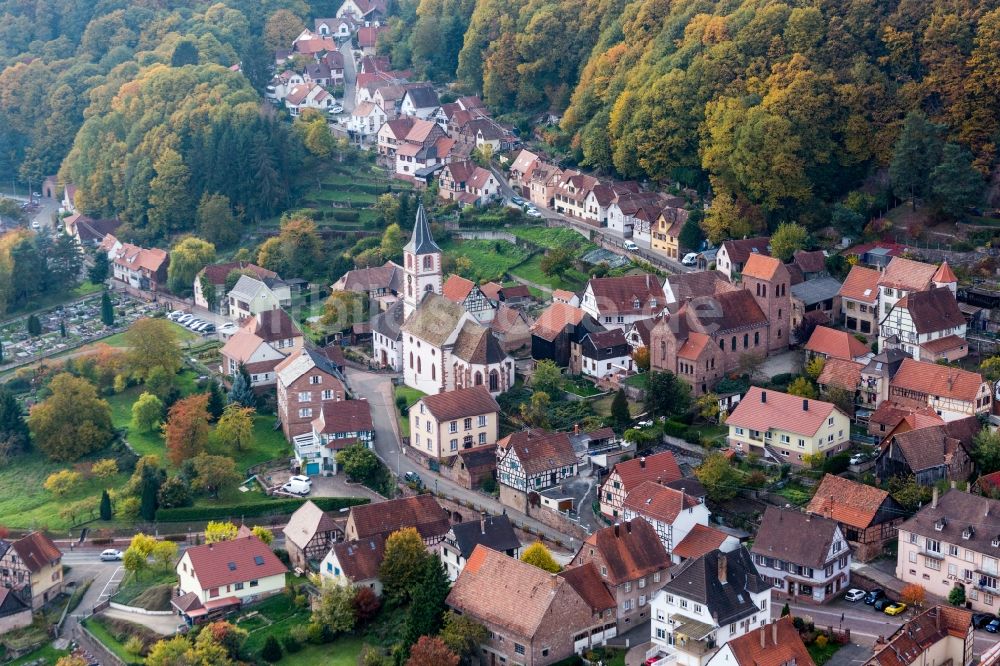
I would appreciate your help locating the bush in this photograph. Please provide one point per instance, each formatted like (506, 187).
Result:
(283, 556)
(692, 437)
(318, 634)
(346, 215)
(272, 650)
(674, 429)
(271, 507)
(134, 645)
(837, 464)
(783, 379)
(821, 641)
(299, 633)
(291, 644)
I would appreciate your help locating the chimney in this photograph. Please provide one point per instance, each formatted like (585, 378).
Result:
(642, 462)
(722, 568)
(763, 396)
(934, 498)
(774, 632)
(763, 638)
(482, 523)
(659, 480)
(617, 529)
(576, 428)
(210, 545)
(805, 405)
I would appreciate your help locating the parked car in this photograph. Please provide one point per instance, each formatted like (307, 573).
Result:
(895, 608)
(645, 424)
(690, 259)
(993, 627)
(184, 318)
(980, 620)
(874, 595)
(859, 458)
(882, 604)
(532, 212)
(302, 478)
(34, 224)
(335, 109)
(297, 488)
(111, 555)
(518, 200)
(630, 246)
(174, 315)
(854, 594)
(414, 478)
(195, 323)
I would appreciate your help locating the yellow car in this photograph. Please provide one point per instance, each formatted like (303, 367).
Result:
(894, 609)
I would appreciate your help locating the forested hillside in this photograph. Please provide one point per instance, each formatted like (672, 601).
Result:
(784, 107)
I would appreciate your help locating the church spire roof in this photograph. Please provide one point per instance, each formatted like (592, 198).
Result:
(944, 274)
(421, 242)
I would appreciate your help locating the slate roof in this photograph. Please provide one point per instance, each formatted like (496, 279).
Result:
(911, 641)
(421, 242)
(605, 344)
(617, 295)
(423, 97)
(360, 559)
(540, 451)
(907, 274)
(587, 582)
(494, 532)
(390, 322)
(237, 561)
(420, 511)
(959, 511)
(698, 580)
(296, 365)
(307, 521)
(460, 403)
(699, 541)
(631, 550)
(477, 345)
(816, 290)
(740, 250)
(658, 502)
(933, 310)
(836, 344)
(37, 551)
(861, 285)
(939, 380)
(778, 644)
(11, 604)
(794, 536)
(661, 467)
(246, 288)
(435, 320)
(767, 409)
(847, 502)
(341, 416)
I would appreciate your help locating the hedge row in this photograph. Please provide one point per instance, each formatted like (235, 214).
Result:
(272, 507)
(346, 215)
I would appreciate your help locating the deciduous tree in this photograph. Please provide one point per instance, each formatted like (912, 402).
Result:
(147, 412)
(63, 482)
(802, 387)
(719, 477)
(913, 595)
(666, 395)
(431, 651)
(72, 421)
(403, 564)
(153, 342)
(187, 257)
(539, 556)
(785, 241)
(463, 635)
(334, 607)
(186, 430)
(214, 473)
(170, 204)
(216, 531)
(235, 428)
(547, 378)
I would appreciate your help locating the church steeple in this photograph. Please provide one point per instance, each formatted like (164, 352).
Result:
(422, 258)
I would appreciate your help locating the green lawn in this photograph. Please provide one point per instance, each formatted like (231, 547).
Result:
(553, 237)
(579, 386)
(821, 655)
(531, 270)
(637, 381)
(97, 628)
(132, 586)
(183, 335)
(47, 652)
(711, 431)
(344, 651)
(490, 259)
(411, 395)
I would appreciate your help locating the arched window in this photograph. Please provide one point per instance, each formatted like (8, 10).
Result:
(411, 360)
(746, 340)
(756, 338)
(763, 290)
(758, 288)
(478, 381)
(428, 261)
(494, 381)
(409, 290)
(428, 288)
(733, 343)
(409, 261)
(433, 372)
(663, 350)
(419, 370)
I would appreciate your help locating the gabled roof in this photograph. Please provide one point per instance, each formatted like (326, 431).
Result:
(932, 446)
(387, 276)
(839, 373)
(296, 365)
(776, 645)
(506, 318)
(11, 603)
(524, 161)
(236, 561)
(586, 581)
(435, 319)
(768, 409)
(247, 288)
(740, 250)
(241, 346)
(421, 242)
(555, 318)
(271, 325)
(423, 97)
(907, 274)
(643, 327)
(631, 550)
(726, 601)
(456, 288)
(628, 295)
(933, 310)
(217, 273)
(344, 416)
(307, 521)
(700, 540)
(848, 502)
(390, 322)
(360, 559)
(911, 642)
(658, 502)
(460, 403)
(938, 380)
(726, 311)
(762, 267)
(810, 261)
(538, 450)
(477, 345)
(612, 340)
(461, 171)
(816, 290)
(37, 551)
(794, 536)
(699, 283)
(954, 513)
(494, 532)
(420, 511)
(659, 467)
(836, 344)
(861, 285)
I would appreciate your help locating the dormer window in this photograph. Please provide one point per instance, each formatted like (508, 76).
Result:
(636, 304)
(968, 532)
(940, 524)
(996, 541)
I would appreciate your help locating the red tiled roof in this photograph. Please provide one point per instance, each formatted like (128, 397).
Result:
(914, 639)
(460, 403)
(658, 502)
(217, 273)
(662, 466)
(618, 295)
(344, 416)
(700, 540)
(420, 511)
(555, 318)
(780, 411)
(236, 561)
(775, 645)
(632, 550)
(539, 450)
(836, 344)
(761, 267)
(938, 380)
(810, 262)
(360, 560)
(741, 250)
(587, 582)
(841, 373)
(861, 285)
(944, 274)
(846, 501)
(37, 551)
(456, 288)
(907, 274)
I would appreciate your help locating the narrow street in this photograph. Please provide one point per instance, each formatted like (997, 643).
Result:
(377, 390)
(350, 76)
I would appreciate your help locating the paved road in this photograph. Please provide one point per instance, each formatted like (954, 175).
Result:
(350, 76)
(85, 565)
(45, 214)
(377, 389)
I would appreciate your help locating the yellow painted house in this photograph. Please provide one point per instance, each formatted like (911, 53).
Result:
(786, 427)
(667, 231)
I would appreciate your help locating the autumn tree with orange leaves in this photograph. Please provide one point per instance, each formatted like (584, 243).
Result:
(431, 651)
(186, 430)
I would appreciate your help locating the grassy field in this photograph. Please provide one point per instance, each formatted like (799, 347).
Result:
(490, 259)
(552, 237)
(47, 652)
(531, 270)
(344, 651)
(97, 628)
(411, 395)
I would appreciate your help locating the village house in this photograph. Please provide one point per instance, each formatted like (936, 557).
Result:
(859, 300)
(32, 567)
(557, 333)
(566, 297)
(666, 234)
(868, 516)
(768, 281)
(493, 532)
(471, 468)
(306, 380)
(597, 204)
(338, 426)
(605, 354)
(363, 11)
(309, 95)
(629, 475)
(671, 512)
(710, 601)
(453, 181)
(816, 300)
(309, 534)
(339, 28)
(138, 267)
(530, 461)
(951, 392)
(387, 337)
(787, 428)
(519, 174)
(261, 343)
(707, 337)
(733, 254)
(210, 283)
(420, 101)
(639, 334)
(482, 186)
(367, 38)
(804, 556)
(365, 121)
(468, 294)
(441, 425)
(941, 452)
(939, 635)
(829, 343)
(512, 328)
(840, 374)
(216, 578)
(532, 617)
(392, 135)
(624, 212)
(927, 325)
(250, 296)
(875, 379)
(310, 44)
(571, 193)
(15, 613)
(542, 188)
(777, 643)
(954, 541)
(617, 302)
(355, 563)
(905, 276)
(633, 564)
(701, 540)
(382, 519)
(87, 231)
(381, 283)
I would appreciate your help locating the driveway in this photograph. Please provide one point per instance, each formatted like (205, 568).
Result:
(337, 486)
(85, 565)
(165, 625)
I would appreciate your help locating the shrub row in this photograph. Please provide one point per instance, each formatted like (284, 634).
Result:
(272, 507)
(346, 215)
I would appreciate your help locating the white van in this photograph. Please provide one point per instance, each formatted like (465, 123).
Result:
(630, 246)
(296, 487)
